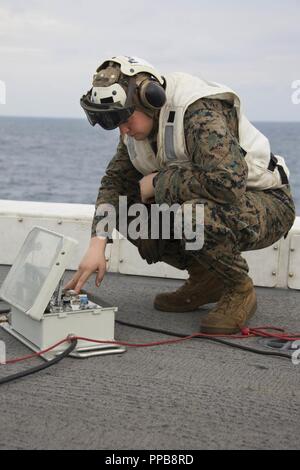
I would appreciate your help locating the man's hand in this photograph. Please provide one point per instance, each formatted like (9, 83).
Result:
(93, 260)
(147, 188)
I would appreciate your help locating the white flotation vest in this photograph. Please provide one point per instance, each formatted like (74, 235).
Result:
(265, 170)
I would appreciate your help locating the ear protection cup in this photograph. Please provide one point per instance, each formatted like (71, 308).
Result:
(151, 94)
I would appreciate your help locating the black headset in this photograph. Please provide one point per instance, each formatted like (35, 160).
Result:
(146, 88)
(150, 92)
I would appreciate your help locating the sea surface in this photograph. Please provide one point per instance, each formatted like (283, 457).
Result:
(63, 160)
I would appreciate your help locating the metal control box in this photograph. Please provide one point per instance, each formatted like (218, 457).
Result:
(40, 316)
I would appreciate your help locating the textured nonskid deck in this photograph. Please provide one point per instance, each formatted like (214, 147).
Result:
(192, 395)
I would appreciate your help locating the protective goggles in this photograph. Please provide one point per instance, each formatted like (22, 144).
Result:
(107, 115)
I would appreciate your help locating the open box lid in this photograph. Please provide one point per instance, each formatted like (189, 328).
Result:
(37, 271)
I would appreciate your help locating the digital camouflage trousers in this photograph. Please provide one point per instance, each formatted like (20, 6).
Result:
(258, 220)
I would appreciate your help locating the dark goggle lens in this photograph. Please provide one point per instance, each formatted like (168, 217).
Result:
(91, 117)
(104, 115)
(112, 119)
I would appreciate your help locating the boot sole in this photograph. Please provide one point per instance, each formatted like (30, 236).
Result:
(163, 308)
(227, 331)
(175, 310)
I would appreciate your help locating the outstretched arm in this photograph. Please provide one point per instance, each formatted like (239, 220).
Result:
(121, 178)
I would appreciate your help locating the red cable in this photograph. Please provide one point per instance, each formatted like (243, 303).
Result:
(259, 331)
(119, 343)
(246, 333)
(39, 353)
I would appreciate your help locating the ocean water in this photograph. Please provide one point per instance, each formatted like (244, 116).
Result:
(63, 160)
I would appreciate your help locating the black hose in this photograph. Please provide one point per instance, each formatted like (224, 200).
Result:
(3, 309)
(57, 359)
(210, 338)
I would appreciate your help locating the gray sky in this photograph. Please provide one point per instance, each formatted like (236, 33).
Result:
(49, 49)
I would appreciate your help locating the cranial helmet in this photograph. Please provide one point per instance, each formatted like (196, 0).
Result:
(122, 85)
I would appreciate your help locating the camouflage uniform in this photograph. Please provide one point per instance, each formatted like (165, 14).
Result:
(236, 219)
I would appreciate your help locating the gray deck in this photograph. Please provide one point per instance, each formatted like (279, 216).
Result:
(193, 395)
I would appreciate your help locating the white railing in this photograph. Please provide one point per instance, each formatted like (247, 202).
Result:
(275, 266)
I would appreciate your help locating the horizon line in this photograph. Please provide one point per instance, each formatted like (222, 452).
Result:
(84, 119)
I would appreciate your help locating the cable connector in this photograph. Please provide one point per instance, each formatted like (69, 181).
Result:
(71, 338)
(245, 331)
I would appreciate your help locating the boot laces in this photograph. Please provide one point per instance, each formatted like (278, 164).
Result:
(225, 301)
(186, 284)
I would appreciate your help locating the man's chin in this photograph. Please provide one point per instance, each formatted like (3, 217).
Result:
(139, 137)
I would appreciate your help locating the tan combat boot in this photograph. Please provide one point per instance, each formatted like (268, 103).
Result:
(234, 309)
(202, 287)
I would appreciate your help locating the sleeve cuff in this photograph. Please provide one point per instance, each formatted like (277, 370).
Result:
(154, 181)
